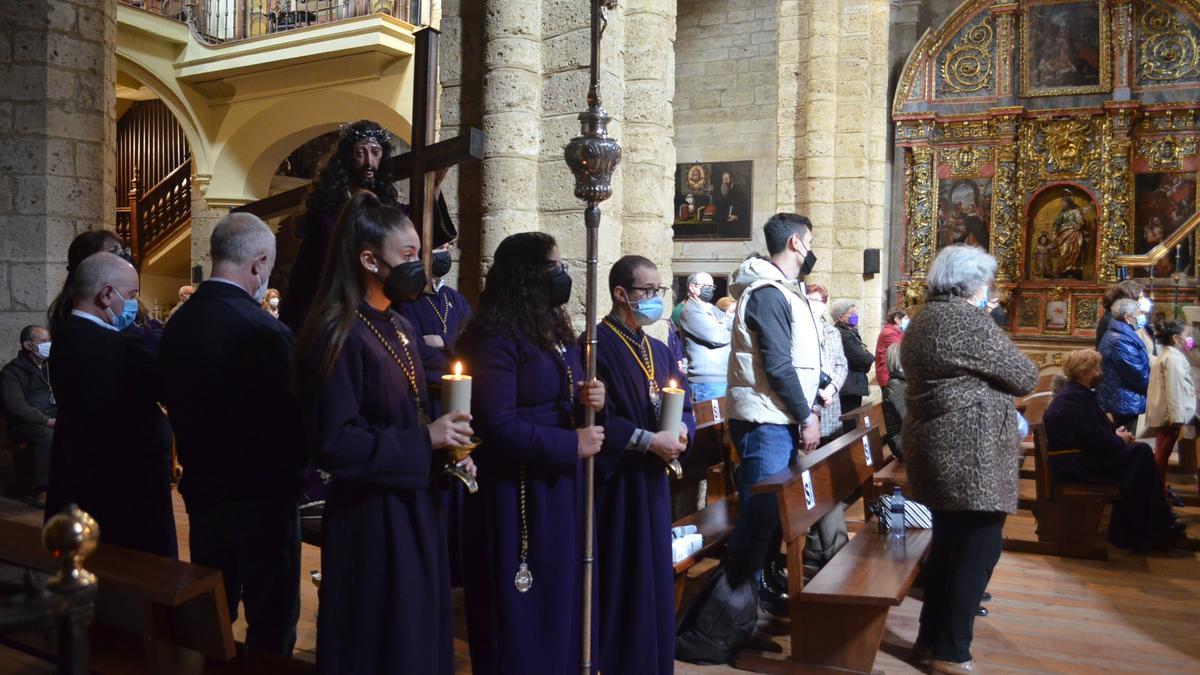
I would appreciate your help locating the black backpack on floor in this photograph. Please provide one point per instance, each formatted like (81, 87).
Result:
(719, 622)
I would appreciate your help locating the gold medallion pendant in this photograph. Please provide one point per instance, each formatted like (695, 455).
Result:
(655, 393)
(524, 579)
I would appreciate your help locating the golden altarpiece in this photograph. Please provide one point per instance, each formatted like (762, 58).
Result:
(1062, 136)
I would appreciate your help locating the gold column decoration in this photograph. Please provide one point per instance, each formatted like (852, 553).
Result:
(918, 202)
(1122, 28)
(1116, 234)
(1007, 244)
(1004, 14)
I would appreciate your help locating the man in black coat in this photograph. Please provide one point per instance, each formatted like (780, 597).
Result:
(226, 365)
(112, 443)
(28, 403)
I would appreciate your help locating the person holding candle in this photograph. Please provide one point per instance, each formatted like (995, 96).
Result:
(385, 592)
(644, 431)
(523, 530)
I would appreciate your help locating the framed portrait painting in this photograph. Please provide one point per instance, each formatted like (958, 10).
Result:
(714, 200)
(1164, 202)
(1065, 48)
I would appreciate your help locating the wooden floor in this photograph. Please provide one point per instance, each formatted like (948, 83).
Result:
(1132, 614)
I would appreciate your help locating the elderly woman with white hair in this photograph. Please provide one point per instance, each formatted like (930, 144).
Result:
(961, 444)
(858, 360)
(1125, 362)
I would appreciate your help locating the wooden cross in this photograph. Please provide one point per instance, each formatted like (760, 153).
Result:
(427, 155)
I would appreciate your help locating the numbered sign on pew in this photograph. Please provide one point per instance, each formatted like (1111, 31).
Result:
(810, 499)
(716, 406)
(867, 445)
(867, 421)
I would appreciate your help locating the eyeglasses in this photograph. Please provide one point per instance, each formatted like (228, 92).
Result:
(650, 291)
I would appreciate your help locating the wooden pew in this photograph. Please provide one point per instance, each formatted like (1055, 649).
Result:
(837, 619)
(175, 610)
(1068, 514)
(715, 521)
(889, 469)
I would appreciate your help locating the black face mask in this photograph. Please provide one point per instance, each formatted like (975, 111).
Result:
(441, 263)
(707, 293)
(405, 282)
(560, 287)
(810, 261)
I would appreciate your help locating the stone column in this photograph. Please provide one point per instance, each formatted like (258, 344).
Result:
(57, 146)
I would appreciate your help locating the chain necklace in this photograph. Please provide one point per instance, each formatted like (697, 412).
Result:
(645, 360)
(442, 315)
(524, 579)
(407, 365)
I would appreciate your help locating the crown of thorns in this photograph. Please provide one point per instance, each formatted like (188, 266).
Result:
(357, 134)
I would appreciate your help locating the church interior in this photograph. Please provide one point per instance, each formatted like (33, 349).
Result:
(1062, 137)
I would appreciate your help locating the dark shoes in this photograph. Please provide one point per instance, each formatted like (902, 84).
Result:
(1175, 499)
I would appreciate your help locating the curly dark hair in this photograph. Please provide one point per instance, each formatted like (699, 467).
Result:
(516, 296)
(331, 187)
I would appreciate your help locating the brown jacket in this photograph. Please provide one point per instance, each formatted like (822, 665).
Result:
(960, 436)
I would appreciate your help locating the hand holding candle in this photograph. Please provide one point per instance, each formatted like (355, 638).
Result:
(671, 419)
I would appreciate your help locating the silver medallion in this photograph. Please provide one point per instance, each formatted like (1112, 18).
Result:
(524, 579)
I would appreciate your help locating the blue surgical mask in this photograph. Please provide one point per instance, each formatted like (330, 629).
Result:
(127, 316)
(904, 324)
(1141, 320)
(647, 311)
(981, 304)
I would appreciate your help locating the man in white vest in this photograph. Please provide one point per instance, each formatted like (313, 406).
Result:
(774, 374)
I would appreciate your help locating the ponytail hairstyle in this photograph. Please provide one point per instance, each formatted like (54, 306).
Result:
(82, 246)
(364, 223)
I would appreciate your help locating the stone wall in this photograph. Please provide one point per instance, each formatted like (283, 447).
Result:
(57, 139)
(725, 110)
(518, 70)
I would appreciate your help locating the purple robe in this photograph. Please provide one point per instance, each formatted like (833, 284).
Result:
(636, 577)
(385, 593)
(424, 317)
(523, 415)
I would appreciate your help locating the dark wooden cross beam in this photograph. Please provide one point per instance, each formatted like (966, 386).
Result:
(427, 155)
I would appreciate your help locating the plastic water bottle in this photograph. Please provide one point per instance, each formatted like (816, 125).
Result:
(896, 515)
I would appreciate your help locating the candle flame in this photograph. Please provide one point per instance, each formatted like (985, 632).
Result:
(673, 385)
(457, 368)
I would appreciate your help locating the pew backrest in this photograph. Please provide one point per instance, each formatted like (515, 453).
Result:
(870, 416)
(811, 487)
(709, 413)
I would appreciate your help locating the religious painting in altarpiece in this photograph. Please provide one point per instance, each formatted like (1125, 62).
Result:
(713, 200)
(1063, 136)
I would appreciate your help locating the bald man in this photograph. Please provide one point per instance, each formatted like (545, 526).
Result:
(707, 332)
(226, 365)
(112, 443)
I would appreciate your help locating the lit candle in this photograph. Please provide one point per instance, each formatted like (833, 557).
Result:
(456, 390)
(672, 418)
(672, 408)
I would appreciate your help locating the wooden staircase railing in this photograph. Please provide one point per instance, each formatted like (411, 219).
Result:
(156, 216)
(1170, 246)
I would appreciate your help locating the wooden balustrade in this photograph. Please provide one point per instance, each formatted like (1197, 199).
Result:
(154, 216)
(218, 21)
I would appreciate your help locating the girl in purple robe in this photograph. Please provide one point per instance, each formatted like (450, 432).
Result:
(523, 530)
(385, 593)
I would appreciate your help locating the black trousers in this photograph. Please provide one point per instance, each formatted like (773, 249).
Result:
(966, 546)
(256, 545)
(31, 465)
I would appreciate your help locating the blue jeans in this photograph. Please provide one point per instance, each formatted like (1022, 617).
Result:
(707, 391)
(765, 449)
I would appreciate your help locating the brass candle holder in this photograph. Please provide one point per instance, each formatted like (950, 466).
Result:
(454, 455)
(71, 536)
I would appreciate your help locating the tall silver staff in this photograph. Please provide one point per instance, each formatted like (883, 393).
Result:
(592, 156)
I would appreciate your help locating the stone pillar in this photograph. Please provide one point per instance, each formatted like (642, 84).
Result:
(57, 146)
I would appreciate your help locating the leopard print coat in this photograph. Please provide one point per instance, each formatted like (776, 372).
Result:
(961, 445)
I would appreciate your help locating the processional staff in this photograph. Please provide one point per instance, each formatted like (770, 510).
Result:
(592, 157)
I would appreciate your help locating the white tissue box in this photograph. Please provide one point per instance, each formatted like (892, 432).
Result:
(684, 546)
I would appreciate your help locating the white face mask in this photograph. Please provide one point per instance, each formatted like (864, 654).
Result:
(273, 303)
(262, 289)
(43, 350)
(1144, 304)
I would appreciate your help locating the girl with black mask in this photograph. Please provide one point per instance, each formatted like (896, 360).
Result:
(365, 411)
(523, 530)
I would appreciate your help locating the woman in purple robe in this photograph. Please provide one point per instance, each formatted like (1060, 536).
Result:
(385, 593)
(523, 530)
(633, 500)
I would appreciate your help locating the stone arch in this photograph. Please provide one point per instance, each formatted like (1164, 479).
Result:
(247, 160)
(178, 106)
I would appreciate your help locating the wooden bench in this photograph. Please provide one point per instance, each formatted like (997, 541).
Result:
(715, 521)
(837, 619)
(1068, 514)
(886, 464)
(152, 613)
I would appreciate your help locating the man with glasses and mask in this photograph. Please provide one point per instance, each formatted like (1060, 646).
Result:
(28, 403)
(112, 443)
(226, 368)
(706, 336)
(633, 498)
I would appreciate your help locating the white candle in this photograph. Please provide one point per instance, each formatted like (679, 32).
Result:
(456, 391)
(672, 409)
